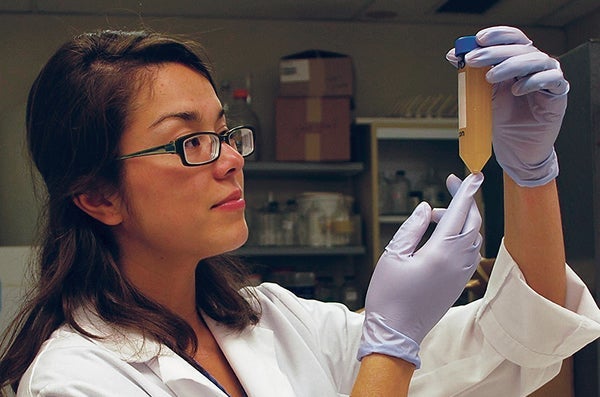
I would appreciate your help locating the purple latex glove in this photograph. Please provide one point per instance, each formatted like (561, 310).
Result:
(528, 102)
(411, 290)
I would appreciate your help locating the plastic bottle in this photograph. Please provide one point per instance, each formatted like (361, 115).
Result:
(474, 109)
(241, 113)
(399, 188)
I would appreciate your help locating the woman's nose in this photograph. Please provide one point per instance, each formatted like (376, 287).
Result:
(230, 158)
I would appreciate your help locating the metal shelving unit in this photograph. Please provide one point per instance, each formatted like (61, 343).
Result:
(300, 251)
(288, 179)
(297, 169)
(416, 141)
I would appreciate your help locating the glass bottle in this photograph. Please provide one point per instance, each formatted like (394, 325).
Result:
(241, 113)
(399, 188)
(349, 294)
(341, 224)
(303, 284)
(384, 194)
(289, 223)
(434, 191)
(414, 199)
(315, 232)
(269, 222)
(225, 95)
(324, 290)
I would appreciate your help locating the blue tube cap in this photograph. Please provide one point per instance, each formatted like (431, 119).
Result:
(464, 44)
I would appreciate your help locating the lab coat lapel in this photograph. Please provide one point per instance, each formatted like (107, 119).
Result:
(252, 356)
(180, 377)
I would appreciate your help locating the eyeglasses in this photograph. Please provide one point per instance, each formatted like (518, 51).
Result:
(199, 148)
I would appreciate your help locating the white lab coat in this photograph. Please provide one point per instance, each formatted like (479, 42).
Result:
(506, 344)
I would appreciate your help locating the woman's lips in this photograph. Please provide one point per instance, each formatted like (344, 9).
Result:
(233, 201)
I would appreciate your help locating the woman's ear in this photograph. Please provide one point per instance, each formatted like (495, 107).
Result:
(104, 208)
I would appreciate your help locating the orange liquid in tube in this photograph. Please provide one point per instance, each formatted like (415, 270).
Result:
(474, 109)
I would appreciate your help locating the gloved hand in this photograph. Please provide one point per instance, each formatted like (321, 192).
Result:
(411, 290)
(528, 102)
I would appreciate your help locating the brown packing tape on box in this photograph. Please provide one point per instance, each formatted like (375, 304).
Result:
(312, 141)
(312, 129)
(313, 110)
(312, 147)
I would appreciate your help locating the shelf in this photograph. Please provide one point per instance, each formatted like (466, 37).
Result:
(392, 143)
(300, 251)
(423, 128)
(280, 168)
(393, 219)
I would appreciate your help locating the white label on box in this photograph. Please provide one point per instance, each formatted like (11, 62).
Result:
(294, 70)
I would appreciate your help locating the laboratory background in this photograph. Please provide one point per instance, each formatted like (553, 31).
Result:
(355, 108)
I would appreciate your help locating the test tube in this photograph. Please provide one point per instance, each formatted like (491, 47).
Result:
(474, 109)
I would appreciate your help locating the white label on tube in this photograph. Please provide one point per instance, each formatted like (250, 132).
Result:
(462, 101)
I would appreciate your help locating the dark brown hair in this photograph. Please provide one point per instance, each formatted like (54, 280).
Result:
(76, 113)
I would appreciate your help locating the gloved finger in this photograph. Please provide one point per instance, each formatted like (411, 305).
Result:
(499, 35)
(452, 58)
(411, 232)
(453, 220)
(437, 214)
(472, 223)
(521, 65)
(506, 40)
(453, 184)
(552, 81)
(489, 56)
(473, 220)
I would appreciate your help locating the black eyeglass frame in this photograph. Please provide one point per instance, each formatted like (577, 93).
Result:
(176, 146)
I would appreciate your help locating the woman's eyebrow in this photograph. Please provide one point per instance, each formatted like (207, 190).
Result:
(185, 116)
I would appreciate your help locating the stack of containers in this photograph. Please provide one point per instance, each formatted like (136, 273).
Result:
(313, 108)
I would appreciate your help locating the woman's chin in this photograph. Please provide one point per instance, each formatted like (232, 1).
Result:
(240, 239)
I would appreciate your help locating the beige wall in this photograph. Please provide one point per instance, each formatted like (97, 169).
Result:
(584, 29)
(391, 62)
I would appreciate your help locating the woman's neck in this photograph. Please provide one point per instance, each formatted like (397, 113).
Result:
(171, 285)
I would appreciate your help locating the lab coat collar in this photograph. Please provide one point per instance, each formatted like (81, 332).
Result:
(180, 377)
(251, 353)
(131, 347)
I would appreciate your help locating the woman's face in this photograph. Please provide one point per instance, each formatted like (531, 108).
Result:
(172, 211)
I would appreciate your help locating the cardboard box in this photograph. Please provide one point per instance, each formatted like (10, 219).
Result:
(316, 73)
(312, 128)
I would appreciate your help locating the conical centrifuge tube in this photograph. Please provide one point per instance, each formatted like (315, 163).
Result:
(474, 109)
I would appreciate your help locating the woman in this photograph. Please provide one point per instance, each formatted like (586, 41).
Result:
(132, 275)
(138, 299)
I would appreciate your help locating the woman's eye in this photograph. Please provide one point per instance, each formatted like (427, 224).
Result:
(193, 143)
